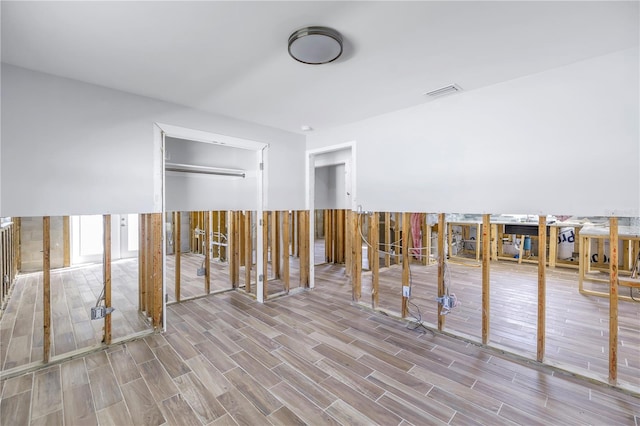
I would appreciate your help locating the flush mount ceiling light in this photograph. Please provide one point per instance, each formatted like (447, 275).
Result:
(315, 45)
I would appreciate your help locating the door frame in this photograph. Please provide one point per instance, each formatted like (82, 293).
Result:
(162, 130)
(314, 158)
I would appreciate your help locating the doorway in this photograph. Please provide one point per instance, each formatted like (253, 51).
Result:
(87, 238)
(330, 186)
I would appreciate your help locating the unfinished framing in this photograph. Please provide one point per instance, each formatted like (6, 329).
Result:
(486, 245)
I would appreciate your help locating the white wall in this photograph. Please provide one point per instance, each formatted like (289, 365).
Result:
(196, 192)
(564, 141)
(74, 148)
(330, 188)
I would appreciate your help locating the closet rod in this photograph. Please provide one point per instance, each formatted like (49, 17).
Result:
(188, 168)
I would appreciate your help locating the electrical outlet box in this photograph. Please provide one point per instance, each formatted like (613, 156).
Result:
(406, 291)
(98, 312)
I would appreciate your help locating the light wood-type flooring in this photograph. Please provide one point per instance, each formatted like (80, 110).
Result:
(577, 326)
(73, 292)
(192, 285)
(309, 358)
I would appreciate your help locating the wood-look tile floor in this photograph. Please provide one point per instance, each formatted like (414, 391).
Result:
(192, 285)
(577, 326)
(310, 358)
(73, 292)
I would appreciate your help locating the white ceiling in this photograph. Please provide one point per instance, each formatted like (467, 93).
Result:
(231, 58)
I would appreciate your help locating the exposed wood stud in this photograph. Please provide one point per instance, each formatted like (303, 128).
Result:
(176, 250)
(426, 236)
(142, 263)
(356, 256)
(398, 233)
(265, 252)
(601, 253)
(369, 223)
(66, 242)
(442, 231)
(304, 248)
(150, 265)
(478, 239)
(275, 244)
(17, 244)
(348, 248)
(207, 252)
(585, 256)
(46, 286)
(295, 239)
(553, 246)
(157, 224)
(494, 242)
(387, 239)
(243, 241)
(340, 237)
(375, 255)
(486, 295)
(613, 299)
(327, 235)
(406, 237)
(237, 219)
(542, 284)
(106, 275)
(232, 225)
(248, 251)
(285, 251)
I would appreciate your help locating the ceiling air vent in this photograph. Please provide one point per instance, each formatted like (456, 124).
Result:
(446, 90)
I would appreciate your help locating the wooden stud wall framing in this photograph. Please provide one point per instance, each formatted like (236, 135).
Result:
(340, 238)
(494, 241)
(106, 275)
(248, 251)
(328, 235)
(486, 241)
(157, 224)
(356, 258)
(613, 299)
(46, 287)
(236, 218)
(334, 235)
(8, 265)
(305, 254)
(142, 263)
(207, 252)
(349, 236)
(17, 244)
(233, 243)
(176, 249)
(542, 284)
(265, 253)
(375, 256)
(441, 258)
(275, 244)
(406, 237)
(242, 239)
(387, 239)
(66, 242)
(285, 250)
(150, 267)
(149, 250)
(553, 245)
(294, 235)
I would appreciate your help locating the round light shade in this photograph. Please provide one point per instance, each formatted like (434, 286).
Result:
(315, 45)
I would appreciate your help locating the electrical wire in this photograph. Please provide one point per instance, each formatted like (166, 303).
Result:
(417, 322)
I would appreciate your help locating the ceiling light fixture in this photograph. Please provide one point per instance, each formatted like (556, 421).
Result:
(315, 45)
